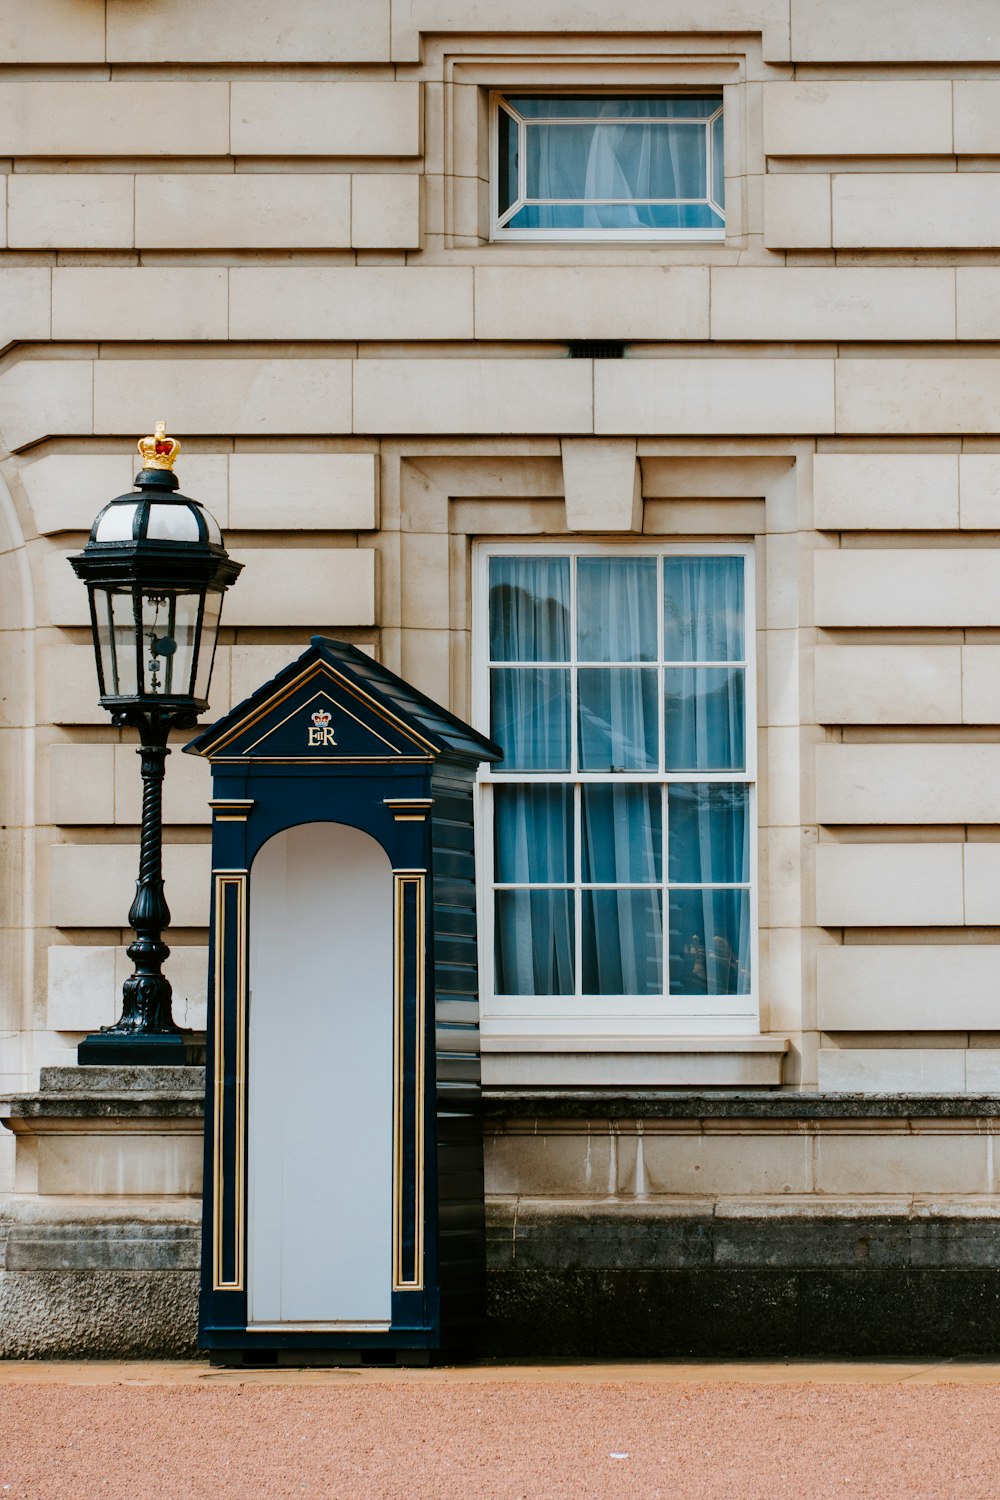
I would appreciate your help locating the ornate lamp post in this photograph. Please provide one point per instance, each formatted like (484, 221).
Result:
(156, 570)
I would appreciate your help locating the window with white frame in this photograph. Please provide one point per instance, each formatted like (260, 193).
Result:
(618, 840)
(594, 166)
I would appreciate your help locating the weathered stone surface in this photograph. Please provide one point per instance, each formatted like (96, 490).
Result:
(126, 1104)
(527, 1104)
(105, 1280)
(92, 1314)
(118, 1080)
(761, 1286)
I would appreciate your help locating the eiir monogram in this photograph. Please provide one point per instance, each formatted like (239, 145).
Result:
(320, 734)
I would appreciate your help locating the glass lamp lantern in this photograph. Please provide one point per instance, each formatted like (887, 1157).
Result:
(156, 570)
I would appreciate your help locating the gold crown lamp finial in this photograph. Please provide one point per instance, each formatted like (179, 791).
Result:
(158, 451)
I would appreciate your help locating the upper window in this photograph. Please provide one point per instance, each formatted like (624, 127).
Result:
(578, 166)
(619, 824)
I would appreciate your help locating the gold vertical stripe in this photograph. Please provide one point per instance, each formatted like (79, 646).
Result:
(397, 1078)
(238, 882)
(401, 881)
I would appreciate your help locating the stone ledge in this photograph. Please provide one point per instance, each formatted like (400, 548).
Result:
(731, 1104)
(572, 1234)
(81, 1234)
(104, 1093)
(631, 1063)
(124, 1105)
(86, 1080)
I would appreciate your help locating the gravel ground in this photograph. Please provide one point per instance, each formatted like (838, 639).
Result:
(551, 1437)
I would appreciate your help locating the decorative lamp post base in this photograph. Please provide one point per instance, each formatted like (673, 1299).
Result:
(123, 1049)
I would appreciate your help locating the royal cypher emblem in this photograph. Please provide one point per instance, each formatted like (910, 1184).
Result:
(320, 733)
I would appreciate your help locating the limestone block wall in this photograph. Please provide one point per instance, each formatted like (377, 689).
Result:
(273, 232)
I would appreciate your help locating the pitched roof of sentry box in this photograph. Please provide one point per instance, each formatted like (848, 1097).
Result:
(334, 703)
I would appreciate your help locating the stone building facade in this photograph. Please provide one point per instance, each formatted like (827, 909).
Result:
(400, 337)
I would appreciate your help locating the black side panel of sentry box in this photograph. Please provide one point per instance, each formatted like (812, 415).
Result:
(461, 1212)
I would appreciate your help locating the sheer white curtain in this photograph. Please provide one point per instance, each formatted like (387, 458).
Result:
(533, 842)
(708, 824)
(703, 622)
(625, 161)
(529, 622)
(623, 842)
(618, 709)
(709, 841)
(621, 832)
(634, 161)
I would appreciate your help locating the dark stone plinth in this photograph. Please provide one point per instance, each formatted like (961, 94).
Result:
(634, 1281)
(113, 1049)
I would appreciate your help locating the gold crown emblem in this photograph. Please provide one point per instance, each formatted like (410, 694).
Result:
(158, 451)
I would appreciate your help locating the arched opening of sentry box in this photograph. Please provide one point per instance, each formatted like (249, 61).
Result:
(320, 1076)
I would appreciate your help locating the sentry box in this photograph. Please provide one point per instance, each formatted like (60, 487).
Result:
(343, 1153)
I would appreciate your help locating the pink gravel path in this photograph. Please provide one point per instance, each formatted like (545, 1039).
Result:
(500, 1441)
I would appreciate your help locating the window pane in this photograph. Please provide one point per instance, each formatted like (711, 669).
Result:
(616, 216)
(718, 164)
(703, 719)
(616, 106)
(621, 833)
(673, 160)
(636, 161)
(209, 636)
(529, 608)
(709, 942)
(556, 161)
(534, 833)
(708, 832)
(530, 718)
(116, 635)
(616, 609)
(618, 719)
(703, 608)
(168, 630)
(506, 160)
(534, 943)
(622, 942)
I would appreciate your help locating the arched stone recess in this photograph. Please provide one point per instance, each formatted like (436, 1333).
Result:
(439, 497)
(19, 917)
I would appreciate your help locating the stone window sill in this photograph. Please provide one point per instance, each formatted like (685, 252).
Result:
(559, 1062)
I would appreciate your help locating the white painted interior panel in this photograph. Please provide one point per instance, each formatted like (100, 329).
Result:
(320, 1079)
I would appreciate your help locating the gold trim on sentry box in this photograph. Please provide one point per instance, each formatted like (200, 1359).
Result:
(231, 809)
(401, 879)
(306, 675)
(338, 707)
(237, 879)
(409, 809)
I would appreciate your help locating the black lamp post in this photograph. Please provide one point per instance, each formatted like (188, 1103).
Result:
(156, 570)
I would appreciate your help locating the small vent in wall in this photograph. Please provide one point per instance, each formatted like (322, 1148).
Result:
(596, 349)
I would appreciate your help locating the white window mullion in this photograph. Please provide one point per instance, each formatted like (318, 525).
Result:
(665, 883)
(577, 887)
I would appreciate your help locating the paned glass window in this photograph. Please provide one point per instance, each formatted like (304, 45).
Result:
(621, 820)
(593, 165)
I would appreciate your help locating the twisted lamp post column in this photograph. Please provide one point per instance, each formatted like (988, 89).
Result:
(146, 994)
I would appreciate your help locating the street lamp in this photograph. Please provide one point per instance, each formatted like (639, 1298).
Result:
(156, 570)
